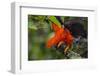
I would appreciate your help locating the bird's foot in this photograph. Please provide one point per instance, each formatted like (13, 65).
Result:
(66, 49)
(59, 44)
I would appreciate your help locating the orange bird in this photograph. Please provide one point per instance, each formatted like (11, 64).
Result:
(62, 35)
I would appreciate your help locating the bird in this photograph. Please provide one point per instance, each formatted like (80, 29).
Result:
(61, 35)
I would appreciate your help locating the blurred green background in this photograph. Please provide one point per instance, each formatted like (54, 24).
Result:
(39, 31)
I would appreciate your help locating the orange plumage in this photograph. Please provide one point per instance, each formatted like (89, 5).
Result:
(61, 34)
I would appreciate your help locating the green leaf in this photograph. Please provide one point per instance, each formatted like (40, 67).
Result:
(54, 20)
(31, 25)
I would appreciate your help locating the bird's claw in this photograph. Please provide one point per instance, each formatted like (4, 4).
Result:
(66, 49)
(59, 44)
